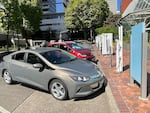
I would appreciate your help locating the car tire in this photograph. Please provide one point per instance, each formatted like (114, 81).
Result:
(58, 90)
(7, 77)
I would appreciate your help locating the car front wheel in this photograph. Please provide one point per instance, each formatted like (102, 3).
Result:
(7, 77)
(58, 89)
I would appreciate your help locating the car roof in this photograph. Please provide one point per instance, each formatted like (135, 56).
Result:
(39, 49)
(62, 42)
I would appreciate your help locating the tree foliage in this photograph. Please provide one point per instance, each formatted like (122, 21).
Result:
(112, 19)
(82, 14)
(31, 12)
(10, 15)
(107, 29)
(21, 15)
(110, 25)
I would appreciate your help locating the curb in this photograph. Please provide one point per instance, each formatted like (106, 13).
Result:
(110, 98)
(112, 103)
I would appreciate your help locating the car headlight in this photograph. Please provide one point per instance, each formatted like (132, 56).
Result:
(80, 78)
(98, 70)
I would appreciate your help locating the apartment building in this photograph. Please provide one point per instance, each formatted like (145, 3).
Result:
(48, 6)
(52, 20)
(112, 6)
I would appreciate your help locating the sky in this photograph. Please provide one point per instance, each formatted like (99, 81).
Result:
(59, 6)
(118, 4)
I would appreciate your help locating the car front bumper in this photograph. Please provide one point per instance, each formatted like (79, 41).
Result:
(86, 89)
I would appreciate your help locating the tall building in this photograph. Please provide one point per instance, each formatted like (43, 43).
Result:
(48, 6)
(52, 20)
(65, 2)
(112, 6)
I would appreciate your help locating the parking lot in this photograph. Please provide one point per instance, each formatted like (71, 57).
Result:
(21, 98)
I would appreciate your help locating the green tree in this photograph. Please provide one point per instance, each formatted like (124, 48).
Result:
(10, 17)
(21, 16)
(86, 14)
(31, 12)
(110, 25)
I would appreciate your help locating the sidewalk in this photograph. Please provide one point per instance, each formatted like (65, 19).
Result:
(125, 95)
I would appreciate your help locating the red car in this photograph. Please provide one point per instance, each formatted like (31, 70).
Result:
(74, 49)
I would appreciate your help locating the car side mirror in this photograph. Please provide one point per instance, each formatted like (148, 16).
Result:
(37, 65)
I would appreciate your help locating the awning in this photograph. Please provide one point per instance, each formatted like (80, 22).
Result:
(141, 13)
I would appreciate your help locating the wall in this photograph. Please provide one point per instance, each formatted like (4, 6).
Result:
(125, 4)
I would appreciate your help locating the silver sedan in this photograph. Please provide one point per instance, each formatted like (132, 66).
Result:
(53, 70)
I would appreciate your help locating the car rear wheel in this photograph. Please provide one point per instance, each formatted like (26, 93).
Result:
(7, 77)
(58, 89)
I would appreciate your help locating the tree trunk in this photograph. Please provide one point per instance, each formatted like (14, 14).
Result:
(85, 34)
(91, 35)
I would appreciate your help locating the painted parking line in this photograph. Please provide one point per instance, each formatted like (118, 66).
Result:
(2, 110)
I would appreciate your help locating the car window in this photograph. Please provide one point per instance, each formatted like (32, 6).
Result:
(33, 59)
(58, 56)
(75, 46)
(19, 56)
(64, 47)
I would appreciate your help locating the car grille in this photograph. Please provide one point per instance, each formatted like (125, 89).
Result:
(95, 85)
(93, 77)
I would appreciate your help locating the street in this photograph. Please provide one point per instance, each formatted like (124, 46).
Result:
(21, 98)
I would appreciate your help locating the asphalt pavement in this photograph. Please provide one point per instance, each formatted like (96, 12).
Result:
(21, 98)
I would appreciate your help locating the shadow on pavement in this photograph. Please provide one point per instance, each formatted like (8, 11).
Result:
(126, 67)
(148, 83)
(33, 87)
(99, 92)
(93, 95)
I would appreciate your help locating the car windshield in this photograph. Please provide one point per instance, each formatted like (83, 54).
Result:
(58, 56)
(75, 46)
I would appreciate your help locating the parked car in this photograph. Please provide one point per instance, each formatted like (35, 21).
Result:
(53, 70)
(2, 54)
(74, 49)
(85, 44)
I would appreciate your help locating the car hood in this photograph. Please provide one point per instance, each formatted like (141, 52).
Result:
(80, 66)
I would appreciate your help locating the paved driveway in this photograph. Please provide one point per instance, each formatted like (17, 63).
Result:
(20, 98)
